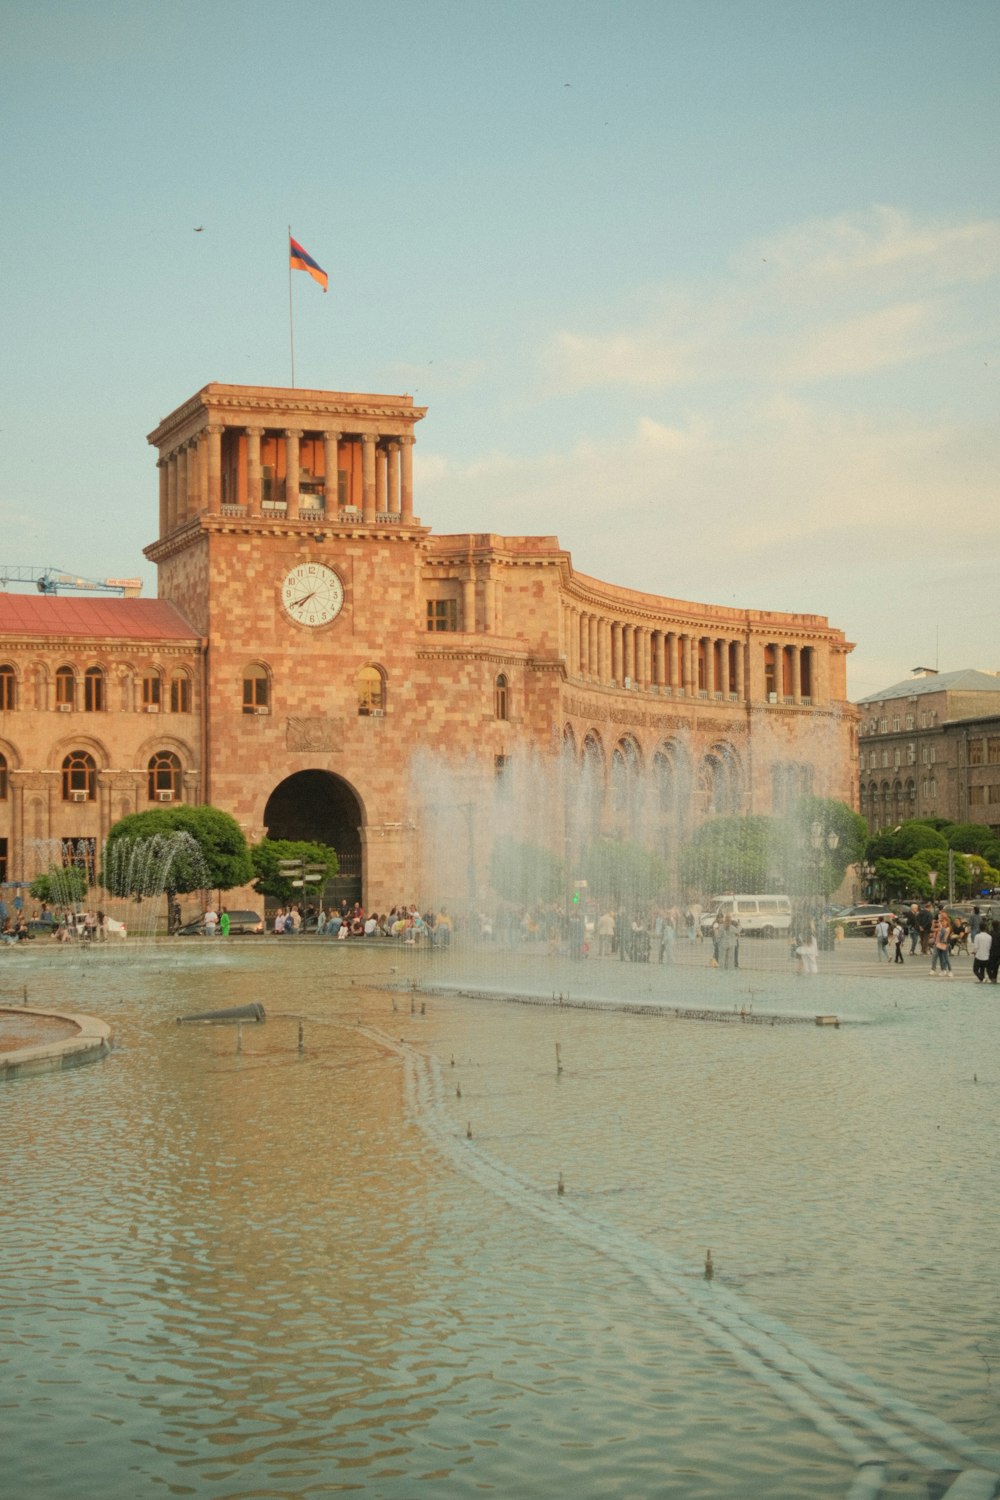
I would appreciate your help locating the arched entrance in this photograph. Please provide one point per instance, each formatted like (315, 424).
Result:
(322, 808)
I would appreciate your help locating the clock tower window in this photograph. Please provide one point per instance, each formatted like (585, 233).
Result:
(256, 691)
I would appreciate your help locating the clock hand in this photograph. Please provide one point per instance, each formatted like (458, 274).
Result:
(304, 600)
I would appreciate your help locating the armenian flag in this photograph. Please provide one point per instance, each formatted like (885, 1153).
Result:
(301, 260)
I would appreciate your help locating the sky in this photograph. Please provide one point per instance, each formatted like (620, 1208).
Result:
(708, 291)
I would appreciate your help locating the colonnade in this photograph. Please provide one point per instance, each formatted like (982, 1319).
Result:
(685, 663)
(191, 476)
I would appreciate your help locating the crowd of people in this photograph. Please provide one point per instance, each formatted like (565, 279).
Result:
(405, 922)
(941, 935)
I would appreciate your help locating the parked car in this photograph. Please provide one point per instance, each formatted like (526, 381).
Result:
(859, 921)
(240, 922)
(765, 915)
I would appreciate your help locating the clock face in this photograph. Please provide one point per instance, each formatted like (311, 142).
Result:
(312, 594)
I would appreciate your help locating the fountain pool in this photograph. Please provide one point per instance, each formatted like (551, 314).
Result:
(233, 1269)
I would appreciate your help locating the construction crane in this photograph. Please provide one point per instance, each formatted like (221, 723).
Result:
(55, 581)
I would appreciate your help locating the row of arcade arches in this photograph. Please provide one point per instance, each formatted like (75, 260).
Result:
(622, 786)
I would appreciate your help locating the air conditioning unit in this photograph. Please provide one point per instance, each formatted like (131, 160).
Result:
(261, 710)
(165, 796)
(78, 796)
(772, 697)
(152, 708)
(376, 713)
(65, 708)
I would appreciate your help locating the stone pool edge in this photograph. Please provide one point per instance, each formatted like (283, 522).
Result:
(92, 1041)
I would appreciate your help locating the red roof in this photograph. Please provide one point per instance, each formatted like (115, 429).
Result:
(123, 619)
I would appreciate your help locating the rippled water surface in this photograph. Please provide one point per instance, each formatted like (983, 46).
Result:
(234, 1269)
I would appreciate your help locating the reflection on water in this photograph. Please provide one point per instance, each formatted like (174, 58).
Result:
(239, 1273)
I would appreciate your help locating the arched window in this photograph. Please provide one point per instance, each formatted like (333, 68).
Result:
(164, 777)
(65, 688)
(501, 697)
(569, 745)
(93, 690)
(3, 778)
(370, 687)
(8, 688)
(592, 784)
(180, 693)
(721, 781)
(152, 686)
(256, 691)
(79, 777)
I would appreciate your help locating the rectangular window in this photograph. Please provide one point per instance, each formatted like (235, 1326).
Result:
(977, 796)
(442, 614)
(151, 691)
(975, 752)
(909, 721)
(993, 794)
(83, 853)
(911, 754)
(895, 723)
(993, 752)
(180, 694)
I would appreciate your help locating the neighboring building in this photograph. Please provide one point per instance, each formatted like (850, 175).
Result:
(930, 747)
(311, 633)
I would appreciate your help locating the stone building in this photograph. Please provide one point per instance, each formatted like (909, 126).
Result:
(311, 634)
(930, 747)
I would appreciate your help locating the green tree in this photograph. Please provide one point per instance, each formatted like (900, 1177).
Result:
(622, 874)
(974, 838)
(824, 838)
(905, 841)
(735, 854)
(526, 873)
(147, 852)
(268, 857)
(61, 885)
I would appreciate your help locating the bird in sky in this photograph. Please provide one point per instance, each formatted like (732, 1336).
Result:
(200, 229)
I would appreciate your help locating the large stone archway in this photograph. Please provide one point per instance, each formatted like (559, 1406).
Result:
(325, 809)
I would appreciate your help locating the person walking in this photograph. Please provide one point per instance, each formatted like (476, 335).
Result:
(898, 934)
(940, 937)
(981, 945)
(993, 962)
(882, 939)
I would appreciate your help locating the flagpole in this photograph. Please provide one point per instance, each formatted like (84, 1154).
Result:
(291, 328)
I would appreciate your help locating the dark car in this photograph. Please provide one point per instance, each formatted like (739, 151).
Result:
(239, 922)
(859, 921)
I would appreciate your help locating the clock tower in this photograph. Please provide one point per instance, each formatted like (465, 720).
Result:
(287, 538)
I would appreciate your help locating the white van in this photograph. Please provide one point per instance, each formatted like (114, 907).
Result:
(764, 915)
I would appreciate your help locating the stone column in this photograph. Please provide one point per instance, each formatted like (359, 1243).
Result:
(161, 464)
(253, 469)
(368, 477)
(741, 684)
(583, 639)
(468, 597)
(292, 440)
(796, 654)
(687, 683)
(181, 466)
(490, 604)
(603, 650)
(616, 653)
(172, 490)
(201, 499)
(331, 483)
(381, 477)
(214, 468)
(193, 479)
(593, 665)
(673, 661)
(393, 479)
(406, 480)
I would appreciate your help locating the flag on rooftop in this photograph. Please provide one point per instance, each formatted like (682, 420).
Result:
(301, 260)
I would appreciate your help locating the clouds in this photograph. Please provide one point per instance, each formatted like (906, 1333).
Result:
(829, 299)
(810, 428)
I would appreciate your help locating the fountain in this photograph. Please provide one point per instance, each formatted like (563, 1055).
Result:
(475, 1267)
